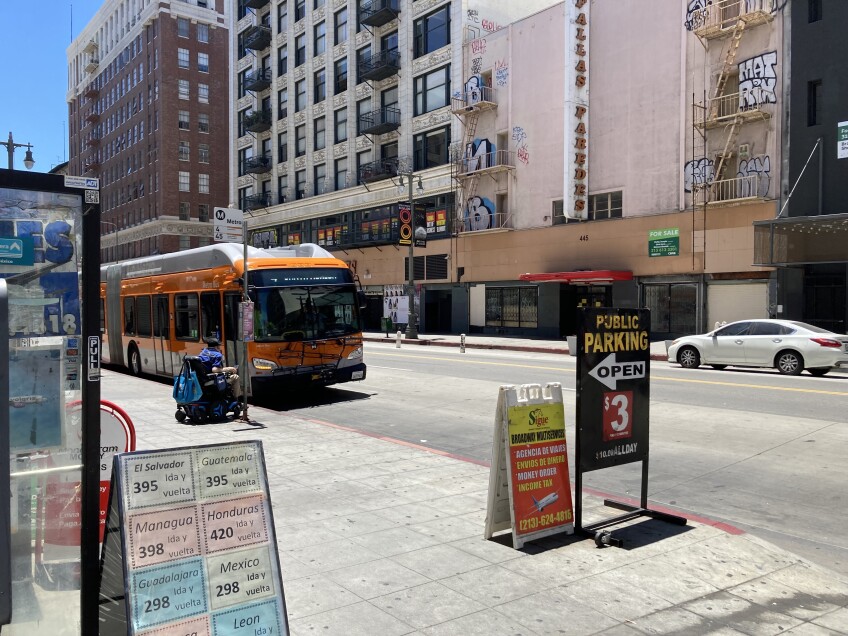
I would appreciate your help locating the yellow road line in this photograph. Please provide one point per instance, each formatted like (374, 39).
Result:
(653, 377)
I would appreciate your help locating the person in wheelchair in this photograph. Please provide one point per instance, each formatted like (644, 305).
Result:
(213, 362)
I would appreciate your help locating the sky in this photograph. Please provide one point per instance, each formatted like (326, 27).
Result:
(34, 75)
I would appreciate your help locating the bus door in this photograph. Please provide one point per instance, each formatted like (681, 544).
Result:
(232, 346)
(162, 336)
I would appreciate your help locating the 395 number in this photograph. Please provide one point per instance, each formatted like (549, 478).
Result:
(217, 480)
(145, 486)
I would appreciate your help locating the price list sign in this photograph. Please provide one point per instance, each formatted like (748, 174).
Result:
(190, 545)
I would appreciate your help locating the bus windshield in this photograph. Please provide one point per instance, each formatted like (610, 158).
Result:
(284, 314)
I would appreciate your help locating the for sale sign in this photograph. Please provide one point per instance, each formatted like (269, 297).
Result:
(612, 387)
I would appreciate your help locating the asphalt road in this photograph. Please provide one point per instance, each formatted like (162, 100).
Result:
(759, 450)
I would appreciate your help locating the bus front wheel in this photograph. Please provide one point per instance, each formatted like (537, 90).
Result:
(134, 360)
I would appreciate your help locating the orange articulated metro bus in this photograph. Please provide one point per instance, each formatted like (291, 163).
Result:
(306, 313)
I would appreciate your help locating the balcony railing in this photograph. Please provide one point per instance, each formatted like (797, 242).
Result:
(257, 38)
(376, 13)
(258, 80)
(738, 189)
(379, 121)
(93, 63)
(485, 162)
(380, 66)
(92, 166)
(474, 100)
(718, 18)
(754, 104)
(92, 116)
(91, 90)
(256, 165)
(378, 170)
(477, 221)
(255, 4)
(258, 121)
(92, 141)
(257, 201)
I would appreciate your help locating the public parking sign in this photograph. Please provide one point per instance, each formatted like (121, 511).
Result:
(613, 388)
(228, 226)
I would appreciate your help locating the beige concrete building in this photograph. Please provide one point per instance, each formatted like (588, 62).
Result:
(565, 164)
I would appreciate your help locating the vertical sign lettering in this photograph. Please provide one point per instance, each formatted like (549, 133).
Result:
(576, 183)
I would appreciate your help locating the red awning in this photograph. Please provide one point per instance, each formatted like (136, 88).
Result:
(586, 276)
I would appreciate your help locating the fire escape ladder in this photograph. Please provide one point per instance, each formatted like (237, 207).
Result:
(727, 67)
(724, 157)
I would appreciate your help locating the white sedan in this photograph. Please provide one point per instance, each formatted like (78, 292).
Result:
(787, 345)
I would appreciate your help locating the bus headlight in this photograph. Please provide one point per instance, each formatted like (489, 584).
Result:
(261, 364)
(356, 354)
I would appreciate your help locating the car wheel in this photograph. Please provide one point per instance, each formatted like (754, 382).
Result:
(134, 360)
(819, 372)
(789, 363)
(689, 358)
(718, 367)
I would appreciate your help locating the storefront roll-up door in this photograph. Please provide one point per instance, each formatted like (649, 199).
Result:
(727, 302)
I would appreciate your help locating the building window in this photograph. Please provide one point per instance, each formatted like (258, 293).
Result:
(184, 151)
(815, 10)
(203, 93)
(320, 134)
(512, 306)
(319, 3)
(363, 107)
(242, 79)
(183, 89)
(389, 97)
(320, 86)
(299, 95)
(185, 180)
(814, 102)
(432, 90)
(300, 184)
(203, 153)
(605, 206)
(183, 120)
(203, 62)
(431, 148)
(340, 75)
(341, 173)
(182, 27)
(282, 60)
(389, 42)
(299, 10)
(185, 210)
(340, 124)
(340, 21)
(300, 49)
(432, 32)
(203, 183)
(282, 147)
(243, 155)
(282, 188)
(182, 58)
(300, 141)
(203, 212)
(282, 17)
(363, 56)
(283, 103)
(203, 122)
(203, 33)
(320, 178)
(320, 39)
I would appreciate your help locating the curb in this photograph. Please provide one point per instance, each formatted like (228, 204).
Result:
(505, 347)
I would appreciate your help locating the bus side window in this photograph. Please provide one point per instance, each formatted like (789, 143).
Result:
(129, 316)
(210, 310)
(102, 316)
(185, 317)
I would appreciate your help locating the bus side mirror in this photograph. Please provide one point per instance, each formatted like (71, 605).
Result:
(363, 302)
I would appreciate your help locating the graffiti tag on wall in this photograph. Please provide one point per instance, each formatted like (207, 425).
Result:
(473, 89)
(760, 168)
(696, 14)
(698, 172)
(477, 65)
(479, 154)
(479, 214)
(522, 153)
(501, 72)
(478, 46)
(757, 81)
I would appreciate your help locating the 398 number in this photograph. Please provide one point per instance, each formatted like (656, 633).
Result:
(146, 551)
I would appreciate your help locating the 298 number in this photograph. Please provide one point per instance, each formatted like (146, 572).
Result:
(156, 604)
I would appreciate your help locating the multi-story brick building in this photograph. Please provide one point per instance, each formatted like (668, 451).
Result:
(146, 98)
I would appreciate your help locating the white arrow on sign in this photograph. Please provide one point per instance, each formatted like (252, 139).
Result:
(610, 371)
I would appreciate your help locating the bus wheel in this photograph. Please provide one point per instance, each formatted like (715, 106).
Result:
(134, 359)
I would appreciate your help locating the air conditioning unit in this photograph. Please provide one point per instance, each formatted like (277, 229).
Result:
(744, 151)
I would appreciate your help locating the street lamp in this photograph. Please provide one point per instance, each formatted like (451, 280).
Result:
(29, 162)
(412, 323)
(115, 251)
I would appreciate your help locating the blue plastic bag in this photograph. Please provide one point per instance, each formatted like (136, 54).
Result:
(187, 387)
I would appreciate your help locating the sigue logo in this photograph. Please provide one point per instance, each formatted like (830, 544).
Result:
(538, 418)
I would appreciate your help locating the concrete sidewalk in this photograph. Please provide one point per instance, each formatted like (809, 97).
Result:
(379, 537)
(658, 348)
